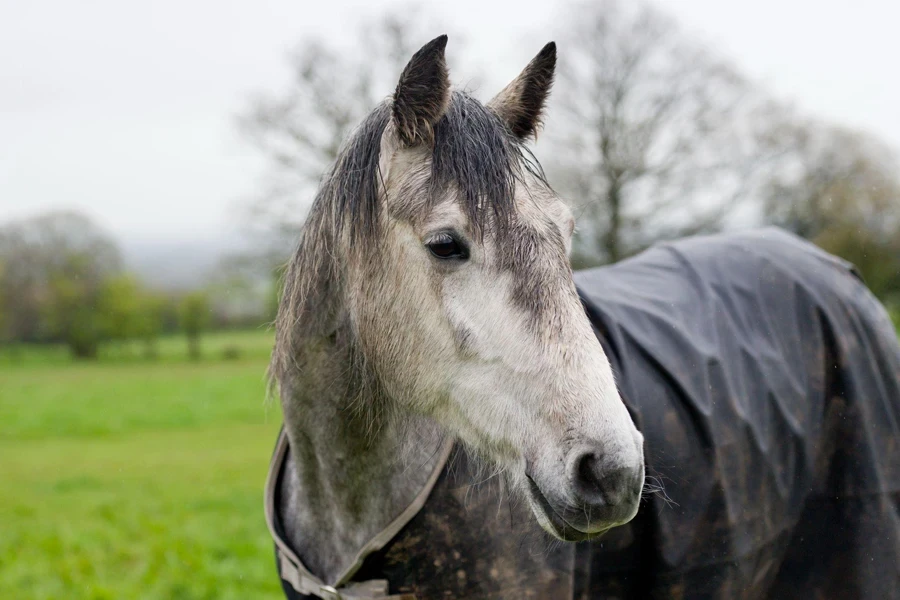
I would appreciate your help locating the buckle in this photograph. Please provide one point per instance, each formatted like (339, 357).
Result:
(329, 593)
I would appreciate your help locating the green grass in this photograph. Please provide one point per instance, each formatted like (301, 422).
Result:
(88, 400)
(135, 479)
(170, 348)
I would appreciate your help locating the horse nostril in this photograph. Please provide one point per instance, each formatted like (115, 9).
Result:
(591, 481)
(599, 484)
(588, 474)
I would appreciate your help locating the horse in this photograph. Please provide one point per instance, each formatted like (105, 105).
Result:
(464, 416)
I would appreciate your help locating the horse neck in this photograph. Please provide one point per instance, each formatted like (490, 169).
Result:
(346, 478)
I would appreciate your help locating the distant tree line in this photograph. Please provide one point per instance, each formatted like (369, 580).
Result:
(651, 136)
(62, 280)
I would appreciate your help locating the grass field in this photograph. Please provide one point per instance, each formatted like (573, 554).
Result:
(128, 478)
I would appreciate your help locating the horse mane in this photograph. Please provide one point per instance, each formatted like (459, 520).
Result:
(474, 152)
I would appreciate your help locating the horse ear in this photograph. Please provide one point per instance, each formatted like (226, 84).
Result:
(423, 93)
(521, 103)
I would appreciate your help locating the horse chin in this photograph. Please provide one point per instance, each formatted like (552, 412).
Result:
(552, 522)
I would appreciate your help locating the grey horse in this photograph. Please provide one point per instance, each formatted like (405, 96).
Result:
(453, 394)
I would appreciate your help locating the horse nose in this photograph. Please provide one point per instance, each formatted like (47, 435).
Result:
(603, 481)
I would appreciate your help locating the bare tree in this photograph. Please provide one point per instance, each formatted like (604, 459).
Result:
(653, 137)
(841, 189)
(831, 175)
(301, 130)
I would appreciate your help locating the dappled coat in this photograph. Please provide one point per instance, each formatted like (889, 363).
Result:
(766, 381)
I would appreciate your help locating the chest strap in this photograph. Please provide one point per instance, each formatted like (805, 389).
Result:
(295, 573)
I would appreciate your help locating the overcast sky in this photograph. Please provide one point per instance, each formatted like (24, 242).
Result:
(126, 110)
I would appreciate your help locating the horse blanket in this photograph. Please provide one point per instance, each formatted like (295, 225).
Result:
(765, 378)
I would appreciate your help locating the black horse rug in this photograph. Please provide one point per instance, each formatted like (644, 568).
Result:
(765, 378)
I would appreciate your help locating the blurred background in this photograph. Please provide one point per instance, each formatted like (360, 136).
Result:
(157, 162)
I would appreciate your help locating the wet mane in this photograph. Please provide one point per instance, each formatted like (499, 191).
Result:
(473, 150)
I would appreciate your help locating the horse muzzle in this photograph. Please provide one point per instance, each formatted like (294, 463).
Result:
(598, 491)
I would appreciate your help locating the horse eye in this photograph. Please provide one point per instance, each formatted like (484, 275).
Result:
(446, 246)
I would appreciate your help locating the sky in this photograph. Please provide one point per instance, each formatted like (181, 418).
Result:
(127, 110)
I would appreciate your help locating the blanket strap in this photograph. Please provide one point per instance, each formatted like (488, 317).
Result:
(295, 573)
